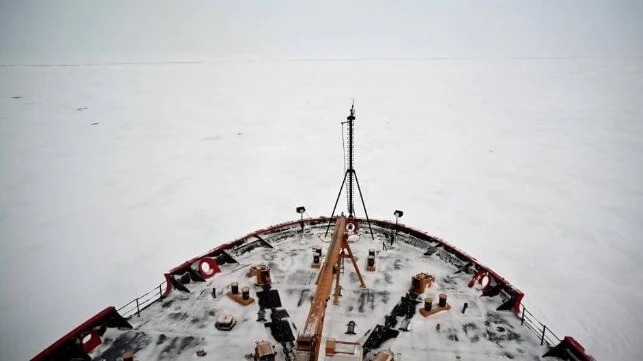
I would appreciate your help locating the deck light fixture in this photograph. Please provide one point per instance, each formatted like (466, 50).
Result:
(301, 210)
(398, 214)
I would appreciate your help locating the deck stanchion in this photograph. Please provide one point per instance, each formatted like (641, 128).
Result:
(542, 338)
(522, 319)
(138, 310)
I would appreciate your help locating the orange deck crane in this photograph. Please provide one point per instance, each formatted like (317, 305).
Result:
(309, 340)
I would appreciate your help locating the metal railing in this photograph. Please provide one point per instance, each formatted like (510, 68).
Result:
(135, 306)
(545, 334)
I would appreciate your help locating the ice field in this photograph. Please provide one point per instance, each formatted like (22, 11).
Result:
(112, 174)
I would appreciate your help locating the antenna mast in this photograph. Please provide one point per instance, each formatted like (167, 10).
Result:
(351, 175)
(351, 170)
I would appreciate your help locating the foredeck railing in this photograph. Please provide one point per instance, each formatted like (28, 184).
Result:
(135, 306)
(541, 330)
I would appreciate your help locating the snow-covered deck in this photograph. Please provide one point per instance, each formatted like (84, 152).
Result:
(175, 327)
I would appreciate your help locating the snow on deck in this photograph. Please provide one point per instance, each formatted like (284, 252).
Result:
(175, 327)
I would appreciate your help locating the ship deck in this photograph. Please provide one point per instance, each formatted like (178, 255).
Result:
(174, 327)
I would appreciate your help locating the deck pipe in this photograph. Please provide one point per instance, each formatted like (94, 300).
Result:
(351, 327)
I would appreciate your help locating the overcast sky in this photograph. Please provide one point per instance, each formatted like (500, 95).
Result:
(126, 30)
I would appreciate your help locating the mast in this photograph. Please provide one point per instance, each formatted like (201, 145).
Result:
(351, 170)
(351, 174)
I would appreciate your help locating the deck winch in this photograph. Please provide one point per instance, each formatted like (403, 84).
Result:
(420, 282)
(261, 274)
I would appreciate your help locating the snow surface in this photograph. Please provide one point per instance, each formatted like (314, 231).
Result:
(533, 166)
(175, 327)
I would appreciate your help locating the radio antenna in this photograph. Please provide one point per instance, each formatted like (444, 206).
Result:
(351, 175)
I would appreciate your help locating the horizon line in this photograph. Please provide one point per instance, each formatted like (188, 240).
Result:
(305, 59)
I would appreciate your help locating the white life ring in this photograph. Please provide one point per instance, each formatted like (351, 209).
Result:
(351, 227)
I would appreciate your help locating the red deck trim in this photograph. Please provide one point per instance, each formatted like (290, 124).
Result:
(215, 251)
(577, 349)
(83, 328)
